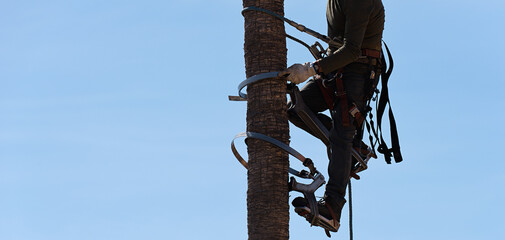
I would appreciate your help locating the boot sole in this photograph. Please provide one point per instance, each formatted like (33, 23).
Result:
(321, 221)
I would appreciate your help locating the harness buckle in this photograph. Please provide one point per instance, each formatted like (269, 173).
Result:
(317, 51)
(339, 75)
(354, 110)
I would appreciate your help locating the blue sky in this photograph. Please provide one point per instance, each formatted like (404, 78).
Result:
(115, 124)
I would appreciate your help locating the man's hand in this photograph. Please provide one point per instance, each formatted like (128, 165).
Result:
(298, 73)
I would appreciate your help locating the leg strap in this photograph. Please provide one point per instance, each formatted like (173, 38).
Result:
(356, 114)
(327, 92)
(342, 97)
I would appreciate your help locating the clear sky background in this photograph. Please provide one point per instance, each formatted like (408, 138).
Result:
(115, 123)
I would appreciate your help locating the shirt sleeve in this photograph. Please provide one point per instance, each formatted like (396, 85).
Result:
(357, 14)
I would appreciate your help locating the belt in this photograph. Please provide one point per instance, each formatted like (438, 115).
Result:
(369, 56)
(365, 52)
(365, 60)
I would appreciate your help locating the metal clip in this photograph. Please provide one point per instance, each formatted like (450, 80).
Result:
(317, 51)
(372, 75)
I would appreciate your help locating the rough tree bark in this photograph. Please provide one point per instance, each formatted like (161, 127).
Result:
(267, 195)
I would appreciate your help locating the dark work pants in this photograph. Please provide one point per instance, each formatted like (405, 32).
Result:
(356, 77)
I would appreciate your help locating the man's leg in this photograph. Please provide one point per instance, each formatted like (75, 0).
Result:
(341, 138)
(313, 98)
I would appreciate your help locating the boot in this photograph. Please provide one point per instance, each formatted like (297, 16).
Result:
(329, 212)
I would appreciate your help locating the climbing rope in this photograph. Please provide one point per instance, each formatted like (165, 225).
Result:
(350, 211)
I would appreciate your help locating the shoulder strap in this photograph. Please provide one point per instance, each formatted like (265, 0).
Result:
(383, 101)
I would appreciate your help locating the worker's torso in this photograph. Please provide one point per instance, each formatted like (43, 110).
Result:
(335, 14)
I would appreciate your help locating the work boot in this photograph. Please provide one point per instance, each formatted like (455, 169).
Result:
(300, 202)
(330, 208)
(329, 212)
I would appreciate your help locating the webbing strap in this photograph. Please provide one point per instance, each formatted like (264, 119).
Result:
(383, 101)
(370, 53)
(371, 130)
(356, 114)
(327, 93)
(296, 25)
(342, 96)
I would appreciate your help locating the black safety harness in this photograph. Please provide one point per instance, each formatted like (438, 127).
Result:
(331, 87)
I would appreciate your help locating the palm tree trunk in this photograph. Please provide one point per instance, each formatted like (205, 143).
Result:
(267, 195)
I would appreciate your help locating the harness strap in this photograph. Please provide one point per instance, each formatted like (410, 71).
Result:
(383, 101)
(342, 96)
(371, 53)
(371, 57)
(327, 93)
(356, 114)
(332, 42)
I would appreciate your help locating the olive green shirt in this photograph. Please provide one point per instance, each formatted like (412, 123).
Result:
(359, 24)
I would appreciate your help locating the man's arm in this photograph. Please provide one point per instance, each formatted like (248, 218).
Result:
(357, 14)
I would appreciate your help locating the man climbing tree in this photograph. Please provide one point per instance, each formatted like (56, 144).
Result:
(267, 195)
(345, 77)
